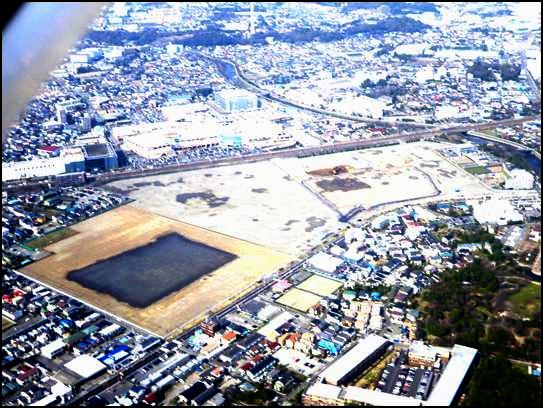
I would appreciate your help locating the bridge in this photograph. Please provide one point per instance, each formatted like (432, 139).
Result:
(501, 140)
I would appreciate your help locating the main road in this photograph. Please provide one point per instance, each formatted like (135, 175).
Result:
(123, 173)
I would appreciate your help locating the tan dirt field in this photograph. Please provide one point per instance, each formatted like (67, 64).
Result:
(299, 299)
(320, 285)
(128, 227)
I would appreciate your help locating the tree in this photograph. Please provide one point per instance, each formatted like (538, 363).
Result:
(496, 382)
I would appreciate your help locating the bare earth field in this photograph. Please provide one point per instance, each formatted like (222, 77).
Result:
(286, 204)
(382, 175)
(127, 227)
(257, 202)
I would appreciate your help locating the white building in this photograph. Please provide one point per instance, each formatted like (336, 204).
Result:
(85, 366)
(361, 105)
(149, 147)
(174, 49)
(235, 100)
(158, 139)
(53, 349)
(496, 211)
(352, 363)
(519, 180)
(445, 392)
(51, 166)
(325, 262)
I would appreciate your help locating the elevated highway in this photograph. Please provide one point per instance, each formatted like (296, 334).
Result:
(123, 173)
(505, 142)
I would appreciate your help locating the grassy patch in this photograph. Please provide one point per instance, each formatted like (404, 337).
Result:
(527, 301)
(51, 238)
(371, 376)
(477, 170)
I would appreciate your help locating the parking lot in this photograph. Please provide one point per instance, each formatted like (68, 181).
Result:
(398, 378)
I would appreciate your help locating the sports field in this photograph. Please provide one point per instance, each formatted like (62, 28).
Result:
(127, 228)
(299, 299)
(320, 285)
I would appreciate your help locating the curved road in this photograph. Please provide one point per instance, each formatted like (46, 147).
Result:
(246, 83)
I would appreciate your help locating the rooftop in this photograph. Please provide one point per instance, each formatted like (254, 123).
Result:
(85, 366)
(365, 348)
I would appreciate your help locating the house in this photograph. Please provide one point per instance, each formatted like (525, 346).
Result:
(188, 396)
(27, 374)
(228, 337)
(259, 370)
(283, 382)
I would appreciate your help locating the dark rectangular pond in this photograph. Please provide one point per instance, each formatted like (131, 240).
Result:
(148, 273)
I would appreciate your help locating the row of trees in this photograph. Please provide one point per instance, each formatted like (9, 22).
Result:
(214, 36)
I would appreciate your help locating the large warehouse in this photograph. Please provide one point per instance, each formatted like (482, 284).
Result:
(356, 360)
(445, 392)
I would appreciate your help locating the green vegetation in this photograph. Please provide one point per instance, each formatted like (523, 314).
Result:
(259, 397)
(527, 301)
(496, 383)
(477, 170)
(482, 236)
(507, 154)
(453, 306)
(51, 238)
(464, 308)
(213, 35)
(297, 399)
(372, 375)
(485, 71)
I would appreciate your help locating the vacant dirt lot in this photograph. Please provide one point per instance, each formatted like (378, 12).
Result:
(257, 202)
(127, 227)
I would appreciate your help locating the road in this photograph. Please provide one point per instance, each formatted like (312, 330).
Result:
(536, 92)
(512, 143)
(123, 173)
(246, 83)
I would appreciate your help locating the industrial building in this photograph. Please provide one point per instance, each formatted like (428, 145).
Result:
(70, 160)
(85, 366)
(446, 391)
(355, 361)
(519, 180)
(100, 156)
(496, 211)
(323, 262)
(236, 100)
